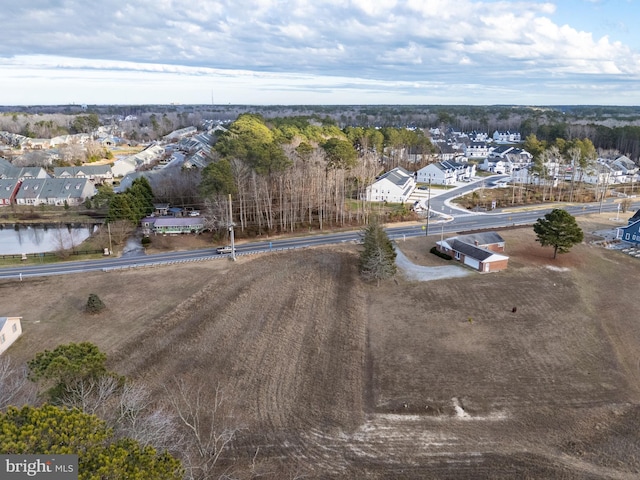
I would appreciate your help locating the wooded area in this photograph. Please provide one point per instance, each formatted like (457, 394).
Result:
(293, 173)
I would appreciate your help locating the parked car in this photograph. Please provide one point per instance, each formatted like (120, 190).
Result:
(226, 249)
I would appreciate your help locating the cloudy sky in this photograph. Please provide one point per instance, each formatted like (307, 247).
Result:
(320, 52)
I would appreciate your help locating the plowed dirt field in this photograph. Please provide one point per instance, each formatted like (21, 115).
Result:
(333, 378)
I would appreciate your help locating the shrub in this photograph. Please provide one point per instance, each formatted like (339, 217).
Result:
(146, 241)
(94, 304)
(440, 254)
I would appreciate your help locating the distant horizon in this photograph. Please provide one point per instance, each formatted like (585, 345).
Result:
(337, 105)
(321, 52)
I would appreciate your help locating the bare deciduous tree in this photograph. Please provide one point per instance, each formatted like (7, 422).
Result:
(128, 408)
(65, 240)
(15, 387)
(207, 427)
(120, 230)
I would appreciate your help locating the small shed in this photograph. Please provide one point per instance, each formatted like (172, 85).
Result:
(10, 330)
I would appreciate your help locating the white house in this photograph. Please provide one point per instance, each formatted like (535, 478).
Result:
(626, 164)
(506, 137)
(395, 186)
(129, 164)
(481, 251)
(181, 133)
(10, 330)
(446, 173)
(478, 150)
(495, 165)
(123, 166)
(513, 154)
(98, 174)
(606, 171)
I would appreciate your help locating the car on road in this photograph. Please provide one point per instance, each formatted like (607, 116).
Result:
(226, 249)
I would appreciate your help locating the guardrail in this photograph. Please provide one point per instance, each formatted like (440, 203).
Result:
(160, 263)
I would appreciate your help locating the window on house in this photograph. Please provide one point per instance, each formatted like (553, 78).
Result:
(2, 338)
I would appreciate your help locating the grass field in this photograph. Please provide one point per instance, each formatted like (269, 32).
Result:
(333, 378)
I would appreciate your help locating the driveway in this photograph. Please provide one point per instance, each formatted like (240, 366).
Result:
(424, 274)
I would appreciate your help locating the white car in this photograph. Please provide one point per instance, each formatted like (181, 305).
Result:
(226, 249)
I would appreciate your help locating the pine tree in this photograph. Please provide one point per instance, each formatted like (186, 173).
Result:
(378, 256)
(59, 431)
(558, 229)
(94, 304)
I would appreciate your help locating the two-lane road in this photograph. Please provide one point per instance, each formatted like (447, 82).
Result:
(461, 222)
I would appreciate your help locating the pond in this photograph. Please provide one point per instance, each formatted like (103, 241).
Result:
(36, 239)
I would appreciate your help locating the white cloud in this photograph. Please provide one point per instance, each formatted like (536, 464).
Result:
(450, 42)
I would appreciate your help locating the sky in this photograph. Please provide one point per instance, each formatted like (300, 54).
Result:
(320, 52)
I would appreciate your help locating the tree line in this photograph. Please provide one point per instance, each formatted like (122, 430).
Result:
(294, 173)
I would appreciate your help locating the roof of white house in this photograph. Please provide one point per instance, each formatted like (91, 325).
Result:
(3, 320)
(473, 251)
(7, 186)
(53, 188)
(483, 238)
(85, 169)
(398, 176)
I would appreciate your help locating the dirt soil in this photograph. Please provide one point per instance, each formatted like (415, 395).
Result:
(335, 378)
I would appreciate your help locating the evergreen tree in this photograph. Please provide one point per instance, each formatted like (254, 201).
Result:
(94, 304)
(120, 209)
(60, 431)
(558, 229)
(378, 256)
(217, 179)
(66, 365)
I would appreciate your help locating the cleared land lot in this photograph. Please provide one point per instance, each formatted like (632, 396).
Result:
(334, 378)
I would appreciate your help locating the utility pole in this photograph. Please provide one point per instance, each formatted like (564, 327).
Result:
(428, 207)
(605, 185)
(231, 225)
(109, 230)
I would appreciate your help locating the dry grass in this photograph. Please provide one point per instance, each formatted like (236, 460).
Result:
(342, 379)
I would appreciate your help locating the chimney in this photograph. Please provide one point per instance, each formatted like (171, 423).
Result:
(475, 242)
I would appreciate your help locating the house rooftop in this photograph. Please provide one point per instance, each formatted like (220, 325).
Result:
(482, 238)
(471, 250)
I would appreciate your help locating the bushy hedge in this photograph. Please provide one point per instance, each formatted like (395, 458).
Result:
(437, 252)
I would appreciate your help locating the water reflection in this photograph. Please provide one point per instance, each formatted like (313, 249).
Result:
(40, 239)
